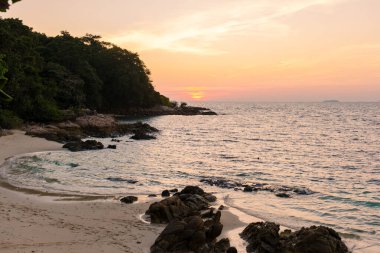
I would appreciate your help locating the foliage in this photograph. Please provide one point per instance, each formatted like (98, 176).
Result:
(3, 80)
(4, 4)
(49, 74)
(9, 120)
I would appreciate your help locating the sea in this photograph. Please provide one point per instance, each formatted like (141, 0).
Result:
(331, 149)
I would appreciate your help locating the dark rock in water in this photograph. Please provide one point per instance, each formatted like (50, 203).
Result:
(111, 146)
(248, 189)
(232, 250)
(221, 207)
(191, 234)
(73, 165)
(119, 179)
(173, 190)
(142, 136)
(282, 195)
(315, 240)
(303, 191)
(264, 237)
(152, 195)
(128, 199)
(165, 193)
(189, 201)
(83, 145)
(115, 140)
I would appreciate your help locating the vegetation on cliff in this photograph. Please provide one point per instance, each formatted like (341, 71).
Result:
(42, 76)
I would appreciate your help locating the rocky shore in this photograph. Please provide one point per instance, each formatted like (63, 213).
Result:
(193, 226)
(165, 110)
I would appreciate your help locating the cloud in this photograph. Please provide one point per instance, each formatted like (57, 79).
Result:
(200, 31)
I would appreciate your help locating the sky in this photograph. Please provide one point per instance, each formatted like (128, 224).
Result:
(233, 50)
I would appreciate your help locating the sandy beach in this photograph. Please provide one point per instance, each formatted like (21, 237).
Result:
(32, 223)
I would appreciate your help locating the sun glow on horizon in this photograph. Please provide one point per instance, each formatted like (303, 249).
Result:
(195, 92)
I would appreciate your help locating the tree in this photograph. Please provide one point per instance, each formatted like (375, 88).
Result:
(3, 80)
(4, 4)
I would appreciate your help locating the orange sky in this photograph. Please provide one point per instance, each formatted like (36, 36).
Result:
(240, 50)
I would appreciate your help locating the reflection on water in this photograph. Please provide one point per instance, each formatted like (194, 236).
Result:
(333, 149)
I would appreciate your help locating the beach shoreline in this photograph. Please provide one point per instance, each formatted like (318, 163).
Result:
(36, 222)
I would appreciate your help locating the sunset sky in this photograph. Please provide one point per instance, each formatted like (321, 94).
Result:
(234, 50)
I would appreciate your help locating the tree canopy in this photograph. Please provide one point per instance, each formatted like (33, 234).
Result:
(48, 74)
(4, 4)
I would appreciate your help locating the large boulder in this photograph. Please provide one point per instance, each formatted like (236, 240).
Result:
(190, 201)
(315, 239)
(191, 234)
(264, 237)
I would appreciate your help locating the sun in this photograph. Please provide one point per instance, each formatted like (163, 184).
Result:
(197, 95)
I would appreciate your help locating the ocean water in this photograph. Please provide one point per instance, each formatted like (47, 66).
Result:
(332, 149)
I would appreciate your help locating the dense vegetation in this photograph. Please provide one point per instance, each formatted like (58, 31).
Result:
(45, 75)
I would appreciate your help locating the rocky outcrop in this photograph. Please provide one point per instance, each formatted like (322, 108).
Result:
(191, 234)
(98, 125)
(189, 202)
(193, 226)
(83, 145)
(264, 237)
(165, 110)
(279, 191)
(315, 239)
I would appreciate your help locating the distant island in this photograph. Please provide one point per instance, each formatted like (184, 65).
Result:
(331, 101)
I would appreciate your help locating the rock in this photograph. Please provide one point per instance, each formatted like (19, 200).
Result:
(196, 190)
(111, 146)
(119, 179)
(282, 195)
(186, 203)
(128, 199)
(173, 190)
(303, 191)
(167, 210)
(94, 125)
(262, 237)
(221, 207)
(191, 234)
(232, 250)
(315, 240)
(54, 133)
(165, 193)
(115, 140)
(152, 195)
(142, 136)
(83, 145)
(222, 246)
(248, 189)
